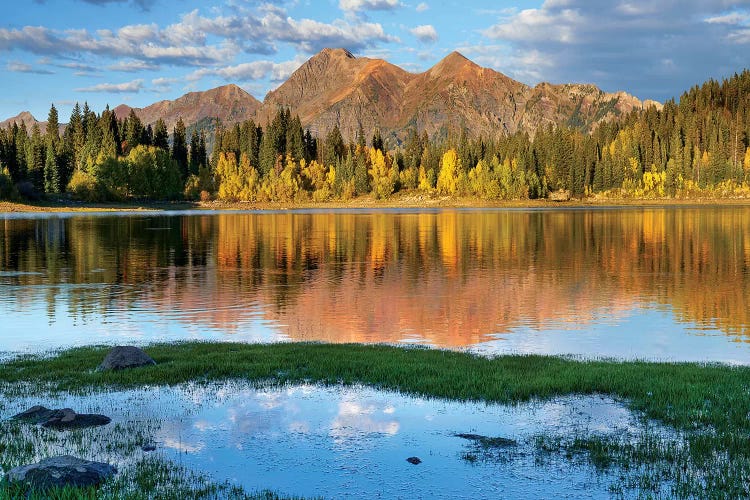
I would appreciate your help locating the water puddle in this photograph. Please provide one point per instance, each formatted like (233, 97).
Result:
(343, 442)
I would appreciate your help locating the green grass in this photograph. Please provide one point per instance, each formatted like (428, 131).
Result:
(684, 395)
(708, 405)
(149, 479)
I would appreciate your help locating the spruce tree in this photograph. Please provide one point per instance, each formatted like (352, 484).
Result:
(161, 136)
(179, 147)
(133, 131)
(51, 170)
(52, 174)
(334, 147)
(377, 140)
(194, 160)
(295, 145)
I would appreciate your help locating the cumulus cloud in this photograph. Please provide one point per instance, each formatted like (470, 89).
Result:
(115, 88)
(21, 67)
(624, 44)
(422, 7)
(133, 66)
(125, 43)
(356, 5)
(251, 71)
(78, 66)
(425, 33)
(186, 43)
(162, 84)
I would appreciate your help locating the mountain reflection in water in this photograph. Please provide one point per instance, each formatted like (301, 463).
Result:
(446, 278)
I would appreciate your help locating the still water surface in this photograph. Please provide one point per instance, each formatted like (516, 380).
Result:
(351, 442)
(657, 283)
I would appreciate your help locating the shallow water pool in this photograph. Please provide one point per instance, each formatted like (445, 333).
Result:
(346, 442)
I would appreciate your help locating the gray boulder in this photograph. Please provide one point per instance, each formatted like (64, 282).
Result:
(61, 419)
(35, 415)
(123, 357)
(58, 472)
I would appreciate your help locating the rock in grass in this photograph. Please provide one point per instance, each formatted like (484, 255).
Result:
(61, 419)
(35, 415)
(489, 442)
(68, 419)
(414, 460)
(122, 357)
(62, 471)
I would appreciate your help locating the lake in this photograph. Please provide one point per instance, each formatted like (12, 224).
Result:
(655, 283)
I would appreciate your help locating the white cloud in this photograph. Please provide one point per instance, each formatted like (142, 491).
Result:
(201, 41)
(425, 33)
(87, 68)
(116, 88)
(734, 18)
(540, 25)
(163, 84)
(133, 66)
(21, 67)
(250, 71)
(623, 44)
(355, 5)
(422, 7)
(138, 33)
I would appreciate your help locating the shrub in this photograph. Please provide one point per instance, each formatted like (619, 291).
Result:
(7, 190)
(83, 186)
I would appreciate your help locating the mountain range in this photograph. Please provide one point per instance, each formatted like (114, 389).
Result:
(336, 88)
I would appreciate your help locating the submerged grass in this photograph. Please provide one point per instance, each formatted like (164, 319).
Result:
(151, 478)
(708, 405)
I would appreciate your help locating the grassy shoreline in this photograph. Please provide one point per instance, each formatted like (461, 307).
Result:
(707, 404)
(365, 202)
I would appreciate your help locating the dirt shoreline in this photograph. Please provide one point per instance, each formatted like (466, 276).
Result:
(358, 203)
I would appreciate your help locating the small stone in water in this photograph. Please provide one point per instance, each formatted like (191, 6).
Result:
(149, 447)
(414, 460)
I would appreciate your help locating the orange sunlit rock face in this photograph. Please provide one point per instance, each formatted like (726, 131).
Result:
(447, 278)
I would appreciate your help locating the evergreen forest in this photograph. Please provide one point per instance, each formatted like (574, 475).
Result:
(696, 146)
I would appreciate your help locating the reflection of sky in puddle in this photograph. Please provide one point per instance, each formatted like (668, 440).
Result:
(353, 442)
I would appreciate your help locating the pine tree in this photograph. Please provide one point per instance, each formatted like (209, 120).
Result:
(334, 147)
(294, 139)
(311, 147)
(109, 133)
(202, 155)
(377, 140)
(179, 147)
(53, 126)
(194, 155)
(51, 170)
(133, 132)
(76, 135)
(161, 136)
(35, 158)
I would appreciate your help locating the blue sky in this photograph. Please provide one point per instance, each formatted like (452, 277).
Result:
(141, 51)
